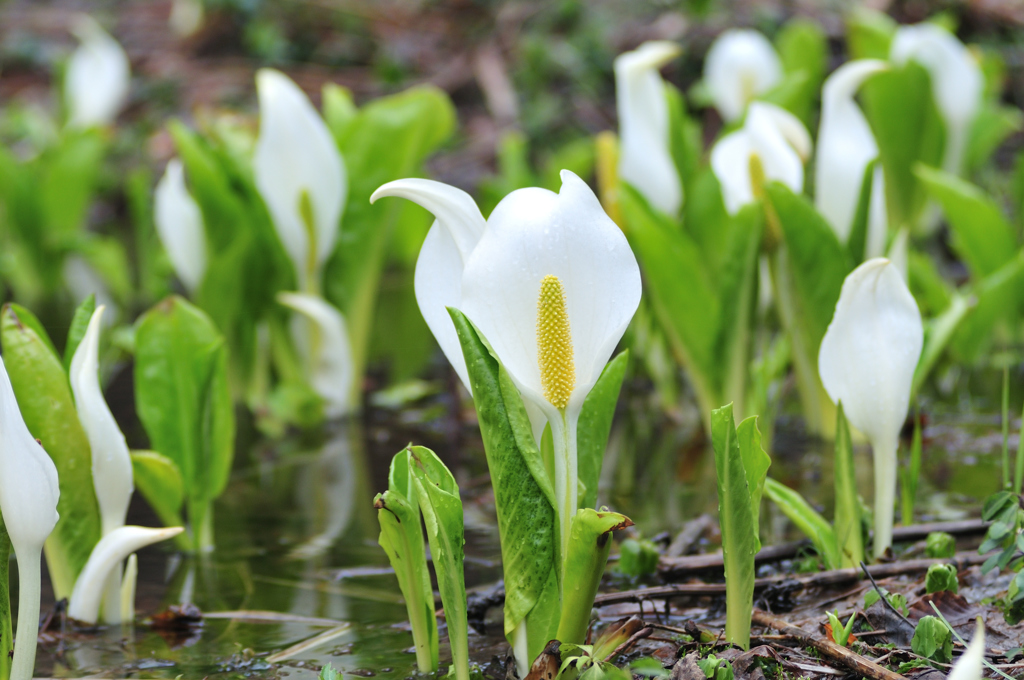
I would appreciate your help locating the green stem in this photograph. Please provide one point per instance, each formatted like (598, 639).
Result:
(1018, 469)
(566, 480)
(1006, 427)
(28, 614)
(6, 630)
(885, 494)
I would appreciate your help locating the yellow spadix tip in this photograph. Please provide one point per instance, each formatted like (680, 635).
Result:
(554, 343)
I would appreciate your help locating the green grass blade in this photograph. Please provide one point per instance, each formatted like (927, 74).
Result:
(848, 533)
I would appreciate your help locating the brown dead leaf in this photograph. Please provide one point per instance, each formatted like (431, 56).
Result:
(545, 666)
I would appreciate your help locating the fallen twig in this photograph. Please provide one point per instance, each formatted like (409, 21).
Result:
(830, 650)
(821, 578)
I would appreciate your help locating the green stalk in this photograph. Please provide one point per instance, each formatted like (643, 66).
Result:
(1006, 427)
(849, 537)
(28, 614)
(563, 433)
(911, 475)
(6, 630)
(1018, 470)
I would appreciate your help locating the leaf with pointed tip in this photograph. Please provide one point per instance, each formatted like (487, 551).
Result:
(76, 331)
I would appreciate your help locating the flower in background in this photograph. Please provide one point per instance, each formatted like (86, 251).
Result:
(186, 17)
(957, 81)
(969, 665)
(300, 174)
(179, 223)
(740, 65)
(97, 78)
(29, 492)
(442, 260)
(772, 145)
(867, 361)
(645, 153)
(846, 146)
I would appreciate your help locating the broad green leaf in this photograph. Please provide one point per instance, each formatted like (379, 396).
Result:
(685, 138)
(982, 236)
(595, 424)
(68, 180)
(848, 532)
(401, 536)
(857, 240)
(938, 332)
(182, 398)
(869, 34)
(791, 92)
(44, 397)
(932, 292)
(706, 220)
(76, 331)
(387, 139)
(755, 465)
(990, 128)
(993, 295)
(29, 320)
(338, 108)
(803, 47)
(159, 480)
(737, 516)
(683, 296)
(441, 507)
(590, 541)
(806, 520)
(899, 107)
(523, 495)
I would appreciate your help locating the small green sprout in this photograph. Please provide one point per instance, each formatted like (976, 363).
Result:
(638, 557)
(841, 632)
(932, 640)
(941, 577)
(940, 545)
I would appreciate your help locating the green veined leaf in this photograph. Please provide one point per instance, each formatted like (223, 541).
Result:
(595, 425)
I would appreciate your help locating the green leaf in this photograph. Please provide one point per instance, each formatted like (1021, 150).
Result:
(687, 145)
(982, 236)
(441, 507)
(328, 673)
(941, 577)
(78, 327)
(590, 541)
(523, 495)
(803, 47)
(387, 139)
(933, 640)
(939, 545)
(159, 480)
(595, 424)
(857, 240)
(848, 532)
(869, 34)
(182, 398)
(68, 180)
(741, 467)
(401, 536)
(44, 397)
(29, 320)
(637, 557)
(990, 128)
(807, 520)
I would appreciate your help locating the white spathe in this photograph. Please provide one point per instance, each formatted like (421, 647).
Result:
(645, 150)
(957, 81)
(969, 665)
(534, 233)
(179, 224)
(322, 340)
(186, 17)
(97, 78)
(300, 174)
(846, 146)
(29, 492)
(740, 65)
(449, 243)
(867, 361)
(777, 139)
(108, 554)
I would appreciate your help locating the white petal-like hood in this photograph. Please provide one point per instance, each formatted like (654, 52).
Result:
(325, 349)
(957, 81)
(295, 155)
(740, 65)
(867, 360)
(28, 478)
(534, 233)
(645, 152)
(179, 223)
(779, 141)
(112, 549)
(111, 461)
(442, 259)
(97, 78)
(970, 664)
(845, 145)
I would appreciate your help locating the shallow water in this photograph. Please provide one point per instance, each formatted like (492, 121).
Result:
(296, 535)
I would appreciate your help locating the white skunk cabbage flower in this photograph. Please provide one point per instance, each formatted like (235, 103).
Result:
(300, 174)
(957, 81)
(322, 340)
(645, 151)
(552, 285)
(179, 224)
(969, 665)
(846, 146)
(867, 361)
(773, 140)
(442, 260)
(108, 554)
(111, 461)
(97, 77)
(740, 65)
(29, 492)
